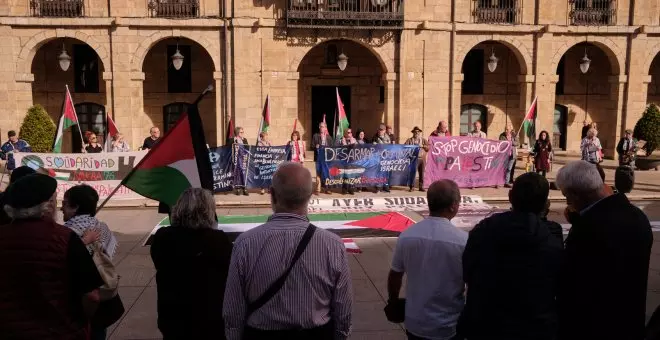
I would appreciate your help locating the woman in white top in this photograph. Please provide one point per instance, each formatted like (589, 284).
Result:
(297, 148)
(119, 144)
(591, 147)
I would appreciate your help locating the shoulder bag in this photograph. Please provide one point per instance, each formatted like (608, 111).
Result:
(279, 283)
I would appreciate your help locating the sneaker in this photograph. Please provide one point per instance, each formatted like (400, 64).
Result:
(422, 190)
(245, 193)
(351, 192)
(386, 189)
(263, 191)
(410, 189)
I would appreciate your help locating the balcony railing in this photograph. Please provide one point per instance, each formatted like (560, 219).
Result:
(174, 8)
(592, 12)
(496, 11)
(356, 14)
(57, 8)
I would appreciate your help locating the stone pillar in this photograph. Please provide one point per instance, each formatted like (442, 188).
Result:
(389, 80)
(109, 105)
(139, 130)
(455, 115)
(545, 102)
(23, 98)
(610, 137)
(221, 119)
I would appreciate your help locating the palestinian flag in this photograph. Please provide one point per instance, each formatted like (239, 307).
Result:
(530, 119)
(67, 120)
(230, 133)
(347, 225)
(265, 116)
(112, 131)
(178, 162)
(343, 120)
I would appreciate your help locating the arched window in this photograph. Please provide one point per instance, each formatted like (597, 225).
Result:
(470, 113)
(172, 113)
(92, 118)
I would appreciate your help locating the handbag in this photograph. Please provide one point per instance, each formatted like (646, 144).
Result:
(279, 283)
(111, 307)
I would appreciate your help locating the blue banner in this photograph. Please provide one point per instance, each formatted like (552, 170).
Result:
(223, 169)
(264, 160)
(368, 165)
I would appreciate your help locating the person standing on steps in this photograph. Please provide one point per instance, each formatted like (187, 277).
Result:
(423, 144)
(320, 140)
(240, 187)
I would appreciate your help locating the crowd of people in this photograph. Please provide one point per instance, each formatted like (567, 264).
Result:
(512, 277)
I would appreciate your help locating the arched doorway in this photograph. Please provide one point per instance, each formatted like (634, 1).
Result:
(167, 90)
(491, 77)
(589, 93)
(360, 86)
(472, 113)
(653, 94)
(559, 127)
(83, 76)
(91, 117)
(172, 113)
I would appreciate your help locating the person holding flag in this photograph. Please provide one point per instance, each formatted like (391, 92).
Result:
(320, 140)
(118, 144)
(68, 119)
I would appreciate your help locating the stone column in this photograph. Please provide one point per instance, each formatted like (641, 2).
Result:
(23, 98)
(545, 102)
(389, 80)
(610, 137)
(221, 119)
(138, 130)
(455, 115)
(109, 105)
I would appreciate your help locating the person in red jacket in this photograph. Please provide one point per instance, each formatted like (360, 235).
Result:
(49, 282)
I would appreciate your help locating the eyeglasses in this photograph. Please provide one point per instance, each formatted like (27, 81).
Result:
(349, 132)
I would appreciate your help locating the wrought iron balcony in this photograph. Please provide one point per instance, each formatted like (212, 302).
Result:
(57, 8)
(356, 14)
(592, 12)
(496, 11)
(174, 8)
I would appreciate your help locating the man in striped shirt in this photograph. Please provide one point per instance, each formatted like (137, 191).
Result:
(315, 301)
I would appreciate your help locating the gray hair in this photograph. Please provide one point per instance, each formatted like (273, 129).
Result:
(579, 177)
(323, 124)
(442, 195)
(195, 209)
(292, 186)
(592, 132)
(36, 211)
(237, 130)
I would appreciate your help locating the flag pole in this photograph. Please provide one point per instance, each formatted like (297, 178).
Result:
(130, 173)
(73, 107)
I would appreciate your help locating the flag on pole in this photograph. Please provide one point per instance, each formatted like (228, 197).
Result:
(342, 124)
(112, 131)
(265, 116)
(324, 119)
(230, 133)
(295, 124)
(530, 119)
(180, 160)
(67, 120)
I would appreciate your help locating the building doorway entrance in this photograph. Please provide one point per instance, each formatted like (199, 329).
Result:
(324, 102)
(92, 118)
(470, 114)
(559, 127)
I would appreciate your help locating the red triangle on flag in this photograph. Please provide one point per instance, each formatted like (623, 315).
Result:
(392, 221)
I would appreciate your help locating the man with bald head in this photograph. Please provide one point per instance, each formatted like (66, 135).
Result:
(152, 140)
(429, 253)
(287, 278)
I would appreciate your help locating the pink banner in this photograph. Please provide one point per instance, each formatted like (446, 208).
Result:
(470, 162)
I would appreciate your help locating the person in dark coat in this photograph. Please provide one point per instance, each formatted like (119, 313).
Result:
(319, 140)
(511, 267)
(192, 261)
(605, 270)
(542, 150)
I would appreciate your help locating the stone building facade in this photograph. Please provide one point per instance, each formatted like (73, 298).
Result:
(410, 64)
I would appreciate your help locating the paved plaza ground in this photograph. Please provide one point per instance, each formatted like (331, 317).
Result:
(369, 271)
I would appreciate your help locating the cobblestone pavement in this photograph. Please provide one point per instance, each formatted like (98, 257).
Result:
(369, 271)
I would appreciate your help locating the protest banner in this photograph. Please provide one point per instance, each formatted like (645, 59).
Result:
(368, 165)
(470, 162)
(102, 171)
(223, 171)
(264, 161)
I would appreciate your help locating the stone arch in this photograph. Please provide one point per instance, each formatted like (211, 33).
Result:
(25, 57)
(650, 56)
(152, 40)
(386, 63)
(522, 53)
(613, 51)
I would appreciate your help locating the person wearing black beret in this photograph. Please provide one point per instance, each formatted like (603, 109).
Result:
(17, 174)
(34, 250)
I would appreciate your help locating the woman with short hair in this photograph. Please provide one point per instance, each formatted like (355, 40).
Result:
(298, 148)
(192, 260)
(79, 213)
(591, 148)
(119, 144)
